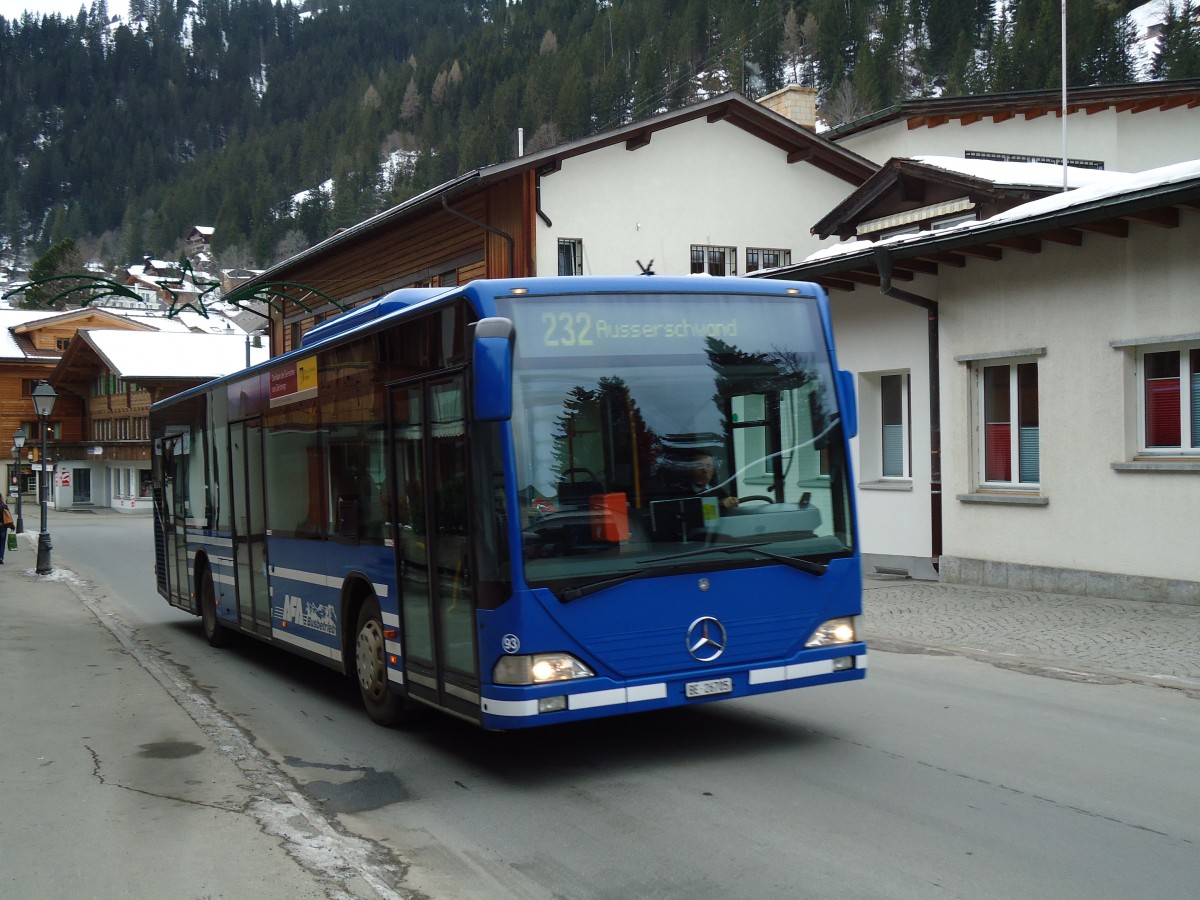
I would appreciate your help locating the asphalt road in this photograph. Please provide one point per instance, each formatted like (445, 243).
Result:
(940, 775)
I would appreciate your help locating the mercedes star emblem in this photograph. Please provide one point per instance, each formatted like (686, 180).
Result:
(706, 639)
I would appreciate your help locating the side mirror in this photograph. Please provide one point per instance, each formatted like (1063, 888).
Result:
(849, 405)
(493, 352)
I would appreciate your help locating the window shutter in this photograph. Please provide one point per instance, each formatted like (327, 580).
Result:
(1030, 454)
(1162, 412)
(997, 452)
(1196, 409)
(893, 451)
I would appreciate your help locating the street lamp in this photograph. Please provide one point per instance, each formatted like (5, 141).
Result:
(18, 443)
(43, 404)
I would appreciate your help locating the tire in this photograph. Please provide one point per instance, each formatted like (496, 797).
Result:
(216, 633)
(383, 705)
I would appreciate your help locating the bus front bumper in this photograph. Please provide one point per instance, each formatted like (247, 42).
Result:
(507, 708)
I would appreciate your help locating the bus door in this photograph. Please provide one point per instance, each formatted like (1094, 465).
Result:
(437, 595)
(249, 524)
(171, 509)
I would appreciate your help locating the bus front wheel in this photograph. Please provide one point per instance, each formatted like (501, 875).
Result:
(216, 633)
(384, 706)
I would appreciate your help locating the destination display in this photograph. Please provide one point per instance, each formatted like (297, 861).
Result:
(658, 325)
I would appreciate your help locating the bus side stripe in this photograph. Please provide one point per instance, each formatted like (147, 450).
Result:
(311, 646)
(300, 575)
(381, 590)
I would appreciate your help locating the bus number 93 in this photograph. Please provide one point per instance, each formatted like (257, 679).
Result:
(566, 329)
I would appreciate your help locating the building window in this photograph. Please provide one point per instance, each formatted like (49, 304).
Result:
(1007, 410)
(1024, 157)
(896, 232)
(896, 444)
(709, 260)
(62, 343)
(33, 432)
(766, 258)
(570, 256)
(1169, 390)
(951, 221)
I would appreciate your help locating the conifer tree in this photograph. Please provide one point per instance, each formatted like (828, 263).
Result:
(64, 258)
(1178, 53)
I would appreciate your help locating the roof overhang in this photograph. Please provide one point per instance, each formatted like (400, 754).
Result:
(1111, 215)
(932, 112)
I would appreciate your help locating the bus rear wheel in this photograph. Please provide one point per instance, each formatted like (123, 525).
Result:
(216, 633)
(383, 705)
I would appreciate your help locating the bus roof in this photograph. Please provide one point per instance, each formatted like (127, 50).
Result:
(483, 294)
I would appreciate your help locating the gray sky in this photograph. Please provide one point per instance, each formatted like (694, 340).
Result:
(12, 9)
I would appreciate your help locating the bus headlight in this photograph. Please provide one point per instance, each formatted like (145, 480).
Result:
(539, 668)
(842, 630)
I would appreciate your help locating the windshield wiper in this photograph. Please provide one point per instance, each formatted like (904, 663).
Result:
(584, 589)
(803, 565)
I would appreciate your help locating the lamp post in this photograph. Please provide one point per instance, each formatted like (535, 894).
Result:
(18, 444)
(257, 342)
(43, 404)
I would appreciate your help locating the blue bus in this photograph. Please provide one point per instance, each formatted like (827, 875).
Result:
(530, 501)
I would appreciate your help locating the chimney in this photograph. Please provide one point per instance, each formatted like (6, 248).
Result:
(794, 102)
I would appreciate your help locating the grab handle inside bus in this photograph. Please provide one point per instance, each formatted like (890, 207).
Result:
(493, 350)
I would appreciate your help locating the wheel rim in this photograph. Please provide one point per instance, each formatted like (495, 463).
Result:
(370, 659)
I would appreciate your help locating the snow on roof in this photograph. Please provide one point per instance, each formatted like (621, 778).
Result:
(1102, 189)
(10, 319)
(1163, 176)
(1019, 174)
(157, 322)
(184, 322)
(141, 354)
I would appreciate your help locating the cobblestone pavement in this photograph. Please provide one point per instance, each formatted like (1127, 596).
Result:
(1083, 638)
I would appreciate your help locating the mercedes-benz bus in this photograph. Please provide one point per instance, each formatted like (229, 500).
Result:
(530, 501)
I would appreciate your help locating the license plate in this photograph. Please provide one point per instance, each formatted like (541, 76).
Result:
(708, 688)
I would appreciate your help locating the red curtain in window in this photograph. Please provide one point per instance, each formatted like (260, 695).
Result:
(997, 452)
(1162, 413)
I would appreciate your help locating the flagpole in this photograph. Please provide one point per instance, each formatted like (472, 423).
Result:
(1063, 66)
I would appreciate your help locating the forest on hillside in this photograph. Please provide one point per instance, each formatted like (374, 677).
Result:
(278, 123)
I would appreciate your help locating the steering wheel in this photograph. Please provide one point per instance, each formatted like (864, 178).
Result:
(765, 499)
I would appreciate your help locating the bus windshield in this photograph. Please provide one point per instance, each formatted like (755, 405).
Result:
(671, 432)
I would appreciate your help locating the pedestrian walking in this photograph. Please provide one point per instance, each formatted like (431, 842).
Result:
(6, 522)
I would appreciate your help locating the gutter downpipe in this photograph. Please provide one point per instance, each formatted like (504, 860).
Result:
(883, 263)
(512, 253)
(537, 192)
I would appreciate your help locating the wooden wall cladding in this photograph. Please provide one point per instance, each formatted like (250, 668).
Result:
(443, 244)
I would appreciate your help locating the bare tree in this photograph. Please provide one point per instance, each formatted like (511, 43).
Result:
(843, 106)
(290, 244)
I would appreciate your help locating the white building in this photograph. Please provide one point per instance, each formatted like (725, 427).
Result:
(1127, 128)
(1065, 413)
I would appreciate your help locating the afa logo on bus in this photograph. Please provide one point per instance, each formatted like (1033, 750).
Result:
(317, 616)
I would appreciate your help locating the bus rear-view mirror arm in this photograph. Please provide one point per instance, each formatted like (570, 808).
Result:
(493, 353)
(847, 402)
